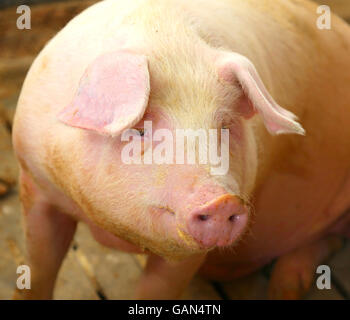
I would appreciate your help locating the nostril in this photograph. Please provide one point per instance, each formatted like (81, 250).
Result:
(203, 217)
(232, 218)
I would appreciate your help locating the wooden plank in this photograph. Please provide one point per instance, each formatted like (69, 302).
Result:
(252, 287)
(8, 106)
(72, 282)
(11, 244)
(13, 3)
(19, 47)
(11, 229)
(340, 268)
(7, 272)
(8, 163)
(46, 21)
(114, 274)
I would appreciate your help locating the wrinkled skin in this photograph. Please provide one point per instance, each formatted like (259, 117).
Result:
(293, 190)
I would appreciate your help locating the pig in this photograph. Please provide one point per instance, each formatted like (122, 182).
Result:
(262, 70)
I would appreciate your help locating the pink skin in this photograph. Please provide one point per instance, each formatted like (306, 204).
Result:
(204, 197)
(218, 222)
(172, 213)
(219, 219)
(293, 273)
(211, 215)
(187, 193)
(71, 174)
(95, 110)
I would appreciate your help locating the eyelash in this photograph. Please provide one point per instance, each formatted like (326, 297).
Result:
(141, 131)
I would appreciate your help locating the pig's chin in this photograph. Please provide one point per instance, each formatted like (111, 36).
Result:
(168, 240)
(171, 239)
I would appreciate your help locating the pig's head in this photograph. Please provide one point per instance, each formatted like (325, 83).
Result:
(146, 194)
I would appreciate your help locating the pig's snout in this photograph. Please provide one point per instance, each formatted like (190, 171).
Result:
(218, 222)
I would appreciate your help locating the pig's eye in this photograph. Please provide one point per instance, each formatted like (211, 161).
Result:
(141, 131)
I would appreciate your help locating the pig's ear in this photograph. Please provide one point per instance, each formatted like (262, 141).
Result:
(112, 95)
(234, 67)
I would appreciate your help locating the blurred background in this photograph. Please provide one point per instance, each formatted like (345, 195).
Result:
(91, 271)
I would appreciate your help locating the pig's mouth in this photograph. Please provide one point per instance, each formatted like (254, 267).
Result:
(221, 222)
(166, 217)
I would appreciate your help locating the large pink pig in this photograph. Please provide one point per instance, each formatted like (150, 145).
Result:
(196, 65)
